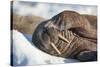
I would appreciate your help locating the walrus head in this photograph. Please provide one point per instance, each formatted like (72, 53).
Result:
(64, 35)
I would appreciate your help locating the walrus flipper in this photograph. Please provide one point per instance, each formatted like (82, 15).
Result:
(85, 33)
(87, 56)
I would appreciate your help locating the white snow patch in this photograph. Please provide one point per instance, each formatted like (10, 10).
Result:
(25, 53)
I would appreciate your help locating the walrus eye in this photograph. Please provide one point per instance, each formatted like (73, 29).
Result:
(44, 30)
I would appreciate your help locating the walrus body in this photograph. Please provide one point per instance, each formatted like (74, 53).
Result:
(68, 35)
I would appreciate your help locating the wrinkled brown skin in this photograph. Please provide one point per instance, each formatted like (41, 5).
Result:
(92, 19)
(85, 46)
(75, 22)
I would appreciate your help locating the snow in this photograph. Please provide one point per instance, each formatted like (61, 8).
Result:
(25, 53)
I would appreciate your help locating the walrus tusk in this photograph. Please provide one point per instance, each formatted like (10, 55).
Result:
(63, 38)
(70, 42)
(52, 44)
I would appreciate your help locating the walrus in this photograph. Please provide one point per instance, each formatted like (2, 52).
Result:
(92, 19)
(69, 35)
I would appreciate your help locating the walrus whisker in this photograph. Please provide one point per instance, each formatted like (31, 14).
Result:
(63, 38)
(53, 45)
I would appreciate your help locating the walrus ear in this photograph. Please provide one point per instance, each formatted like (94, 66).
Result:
(83, 33)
